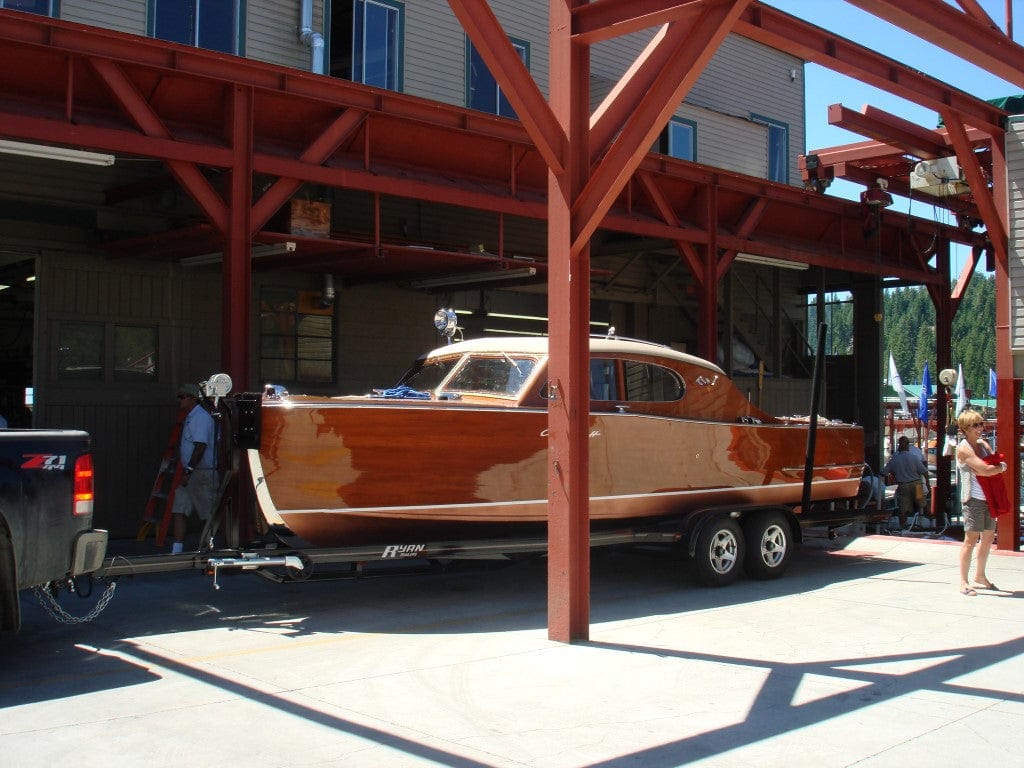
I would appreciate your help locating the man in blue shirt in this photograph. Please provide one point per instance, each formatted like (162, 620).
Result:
(907, 469)
(198, 487)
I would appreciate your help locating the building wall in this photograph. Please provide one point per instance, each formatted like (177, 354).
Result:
(130, 421)
(743, 77)
(1015, 174)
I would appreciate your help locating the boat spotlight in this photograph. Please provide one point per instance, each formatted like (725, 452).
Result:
(446, 322)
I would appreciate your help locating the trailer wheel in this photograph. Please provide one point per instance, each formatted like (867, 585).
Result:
(769, 545)
(718, 555)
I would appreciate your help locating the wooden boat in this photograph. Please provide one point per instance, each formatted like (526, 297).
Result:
(458, 449)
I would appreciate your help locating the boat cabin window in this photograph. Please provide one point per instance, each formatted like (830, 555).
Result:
(644, 382)
(503, 375)
(602, 380)
(651, 383)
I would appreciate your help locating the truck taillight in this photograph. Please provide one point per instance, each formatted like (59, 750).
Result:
(83, 485)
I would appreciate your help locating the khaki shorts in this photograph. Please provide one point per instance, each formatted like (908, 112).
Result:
(977, 517)
(200, 495)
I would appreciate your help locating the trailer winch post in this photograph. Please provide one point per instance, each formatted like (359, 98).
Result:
(812, 426)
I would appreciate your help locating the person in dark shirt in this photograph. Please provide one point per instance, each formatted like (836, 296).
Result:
(907, 469)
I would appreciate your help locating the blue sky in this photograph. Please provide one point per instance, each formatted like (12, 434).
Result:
(825, 87)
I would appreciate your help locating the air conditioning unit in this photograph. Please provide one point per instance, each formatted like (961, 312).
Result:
(940, 177)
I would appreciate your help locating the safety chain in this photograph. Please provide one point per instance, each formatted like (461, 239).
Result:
(49, 602)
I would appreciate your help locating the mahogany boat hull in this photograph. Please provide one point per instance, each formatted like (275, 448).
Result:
(351, 471)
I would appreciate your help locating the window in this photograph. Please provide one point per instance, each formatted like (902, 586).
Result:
(682, 139)
(503, 375)
(296, 337)
(602, 380)
(211, 24)
(778, 148)
(366, 42)
(82, 352)
(651, 383)
(482, 91)
(42, 7)
(135, 352)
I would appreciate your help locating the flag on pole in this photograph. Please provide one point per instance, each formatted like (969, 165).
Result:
(961, 389)
(991, 383)
(897, 383)
(926, 392)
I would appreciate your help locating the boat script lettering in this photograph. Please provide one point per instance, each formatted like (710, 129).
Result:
(402, 550)
(591, 433)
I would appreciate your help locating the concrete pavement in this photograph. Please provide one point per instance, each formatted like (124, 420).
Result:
(863, 654)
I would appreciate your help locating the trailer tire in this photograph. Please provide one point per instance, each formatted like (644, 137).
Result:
(719, 552)
(769, 544)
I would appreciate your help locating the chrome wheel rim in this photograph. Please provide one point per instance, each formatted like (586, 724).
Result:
(773, 546)
(722, 553)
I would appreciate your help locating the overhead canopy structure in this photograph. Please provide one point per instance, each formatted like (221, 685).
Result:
(241, 138)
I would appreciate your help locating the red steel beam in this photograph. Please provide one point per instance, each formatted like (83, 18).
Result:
(961, 34)
(994, 220)
(1008, 388)
(145, 117)
(644, 124)
(236, 296)
(319, 150)
(568, 341)
(786, 33)
(889, 129)
(604, 19)
(973, 8)
(514, 79)
(628, 94)
(664, 208)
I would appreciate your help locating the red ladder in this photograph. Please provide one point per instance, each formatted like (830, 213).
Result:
(161, 498)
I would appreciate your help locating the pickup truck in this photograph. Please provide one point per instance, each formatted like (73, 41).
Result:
(46, 507)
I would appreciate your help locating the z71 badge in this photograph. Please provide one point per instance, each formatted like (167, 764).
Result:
(44, 461)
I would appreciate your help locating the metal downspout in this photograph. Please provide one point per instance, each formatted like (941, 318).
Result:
(313, 40)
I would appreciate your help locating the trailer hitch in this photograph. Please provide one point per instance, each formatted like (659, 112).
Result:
(250, 561)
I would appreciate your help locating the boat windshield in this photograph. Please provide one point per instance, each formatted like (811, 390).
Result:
(504, 375)
(427, 376)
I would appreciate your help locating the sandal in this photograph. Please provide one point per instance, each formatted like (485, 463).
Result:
(989, 586)
(968, 591)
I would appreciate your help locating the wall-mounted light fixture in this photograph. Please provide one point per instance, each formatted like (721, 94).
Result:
(258, 251)
(767, 261)
(55, 153)
(472, 278)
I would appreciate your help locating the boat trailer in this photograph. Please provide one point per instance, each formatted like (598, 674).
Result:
(280, 563)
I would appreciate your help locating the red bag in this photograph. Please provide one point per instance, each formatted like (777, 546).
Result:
(994, 488)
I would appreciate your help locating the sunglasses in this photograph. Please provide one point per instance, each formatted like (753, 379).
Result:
(976, 424)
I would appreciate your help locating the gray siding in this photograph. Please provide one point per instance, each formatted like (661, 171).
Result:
(272, 32)
(745, 77)
(119, 15)
(1015, 176)
(435, 46)
(732, 143)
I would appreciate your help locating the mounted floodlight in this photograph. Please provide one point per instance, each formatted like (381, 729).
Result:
(446, 322)
(878, 196)
(947, 377)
